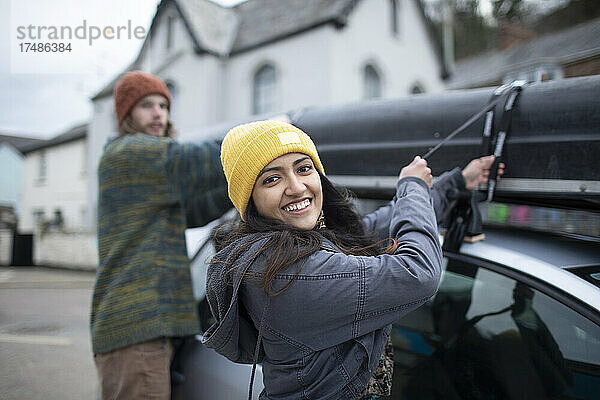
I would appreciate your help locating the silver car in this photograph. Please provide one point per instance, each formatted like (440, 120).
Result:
(517, 316)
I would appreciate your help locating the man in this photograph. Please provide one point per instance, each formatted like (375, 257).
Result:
(150, 189)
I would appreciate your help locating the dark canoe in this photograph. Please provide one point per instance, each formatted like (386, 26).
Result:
(552, 151)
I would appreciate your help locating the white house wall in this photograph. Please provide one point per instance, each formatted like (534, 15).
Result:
(401, 59)
(302, 66)
(63, 189)
(194, 98)
(11, 175)
(101, 128)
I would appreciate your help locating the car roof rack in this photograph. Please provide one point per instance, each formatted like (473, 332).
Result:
(551, 154)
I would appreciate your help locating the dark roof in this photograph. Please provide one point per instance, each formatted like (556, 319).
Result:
(223, 31)
(21, 143)
(75, 133)
(264, 21)
(566, 46)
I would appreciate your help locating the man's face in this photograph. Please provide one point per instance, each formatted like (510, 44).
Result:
(150, 114)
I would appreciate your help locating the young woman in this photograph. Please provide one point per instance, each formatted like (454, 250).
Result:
(307, 287)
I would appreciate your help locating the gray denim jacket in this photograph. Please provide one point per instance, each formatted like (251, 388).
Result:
(323, 336)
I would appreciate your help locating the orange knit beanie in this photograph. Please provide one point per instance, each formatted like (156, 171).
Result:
(133, 87)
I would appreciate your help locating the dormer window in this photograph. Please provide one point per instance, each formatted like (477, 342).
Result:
(170, 29)
(395, 17)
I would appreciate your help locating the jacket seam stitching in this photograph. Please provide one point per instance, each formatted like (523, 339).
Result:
(343, 275)
(300, 378)
(400, 307)
(340, 365)
(360, 304)
(302, 347)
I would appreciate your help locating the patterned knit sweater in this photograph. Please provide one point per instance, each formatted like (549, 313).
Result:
(151, 189)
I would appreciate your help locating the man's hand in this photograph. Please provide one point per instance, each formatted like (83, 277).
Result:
(478, 171)
(418, 168)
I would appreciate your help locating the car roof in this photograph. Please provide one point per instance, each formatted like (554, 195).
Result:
(559, 250)
(543, 257)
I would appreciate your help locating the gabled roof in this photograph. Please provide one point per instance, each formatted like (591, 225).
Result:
(563, 47)
(212, 27)
(265, 21)
(225, 32)
(75, 133)
(20, 143)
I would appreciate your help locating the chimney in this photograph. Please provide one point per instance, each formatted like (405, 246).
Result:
(448, 36)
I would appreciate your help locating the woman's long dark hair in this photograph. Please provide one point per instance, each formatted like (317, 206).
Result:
(288, 245)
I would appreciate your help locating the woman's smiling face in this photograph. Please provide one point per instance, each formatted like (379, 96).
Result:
(289, 189)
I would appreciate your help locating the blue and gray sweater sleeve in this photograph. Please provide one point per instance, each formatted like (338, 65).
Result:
(198, 181)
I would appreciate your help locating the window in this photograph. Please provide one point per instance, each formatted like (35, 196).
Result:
(372, 83)
(170, 28)
(264, 90)
(42, 167)
(84, 159)
(58, 221)
(173, 106)
(395, 15)
(83, 215)
(417, 88)
(38, 216)
(485, 335)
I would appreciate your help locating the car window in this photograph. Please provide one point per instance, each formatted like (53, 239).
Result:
(488, 336)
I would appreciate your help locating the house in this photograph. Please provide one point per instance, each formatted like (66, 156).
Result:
(11, 175)
(11, 167)
(564, 54)
(54, 201)
(267, 56)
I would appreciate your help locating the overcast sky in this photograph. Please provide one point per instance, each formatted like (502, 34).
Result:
(44, 94)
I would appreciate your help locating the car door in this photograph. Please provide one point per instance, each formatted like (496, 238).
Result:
(490, 333)
(202, 372)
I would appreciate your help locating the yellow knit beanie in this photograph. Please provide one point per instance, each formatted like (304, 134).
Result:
(248, 148)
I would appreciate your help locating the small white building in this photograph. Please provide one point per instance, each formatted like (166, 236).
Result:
(11, 168)
(267, 56)
(54, 204)
(11, 176)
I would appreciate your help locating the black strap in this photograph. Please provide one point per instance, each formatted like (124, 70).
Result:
(488, 125)
(258, 344)
(499, 138)
(461, 128)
